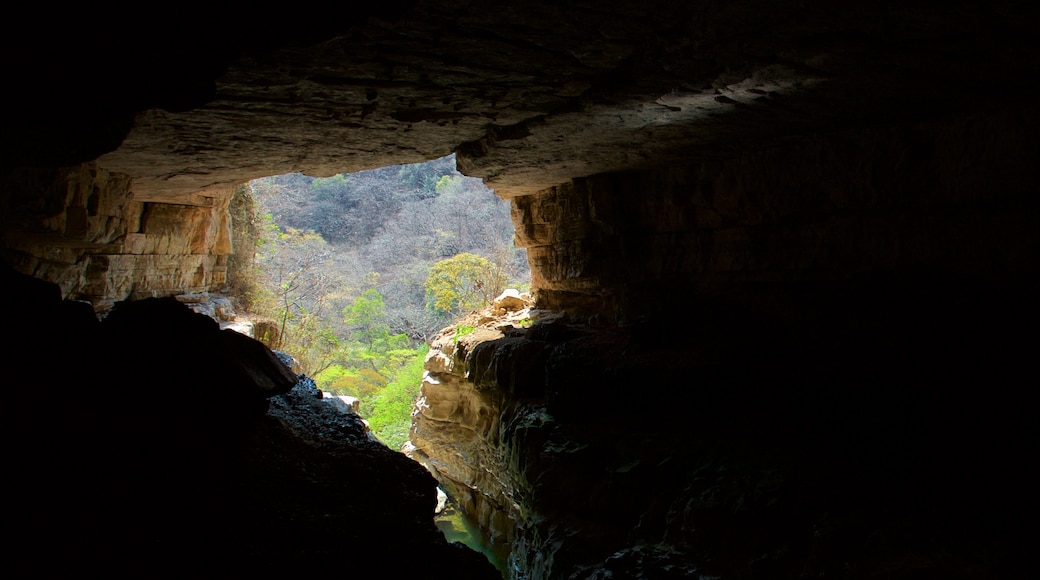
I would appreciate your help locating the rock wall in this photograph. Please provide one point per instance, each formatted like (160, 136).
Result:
(455, 422)
(748, 366)
(89, 235)
(749, 369)
(646, 453)
(795, 242)
(952, 200)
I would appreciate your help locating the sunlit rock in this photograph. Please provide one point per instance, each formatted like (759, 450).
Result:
(510, 300)
(343, 403)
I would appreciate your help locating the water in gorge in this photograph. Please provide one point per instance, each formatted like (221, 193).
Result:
(458, 527)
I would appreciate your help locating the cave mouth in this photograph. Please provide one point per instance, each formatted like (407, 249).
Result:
(355, 270)
(354, 256)
(918, 315)
(878, 239)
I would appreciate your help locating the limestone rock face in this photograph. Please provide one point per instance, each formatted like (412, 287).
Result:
(551, 105)
(100, 244)
(455, 423)
(531, 95)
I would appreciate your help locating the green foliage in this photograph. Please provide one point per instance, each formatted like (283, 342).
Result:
(293, 289)
(327, 378)
(366, 317)
(270, 230)
(443, 183)
(316, 345)
(389, 411)
(395, 221)
(461, 331)
(351, 381)
(329, 188)
(462, 283)
(372, 343)
(347, 277)
(423, 177)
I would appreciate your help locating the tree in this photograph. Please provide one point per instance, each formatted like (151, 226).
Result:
(389, 411)
(366, 317)
(396, 222)
(328, 188)
(396, 252)
(374, 346)
(422, 178)
(464, 282)
(291, 264)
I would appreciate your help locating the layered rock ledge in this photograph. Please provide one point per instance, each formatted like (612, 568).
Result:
(456, 420)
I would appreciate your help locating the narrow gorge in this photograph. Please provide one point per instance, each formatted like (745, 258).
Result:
(783, 281)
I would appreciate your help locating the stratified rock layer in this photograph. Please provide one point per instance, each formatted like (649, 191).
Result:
(455, 423)
(90, 235)
(778, 230)
(756, 371)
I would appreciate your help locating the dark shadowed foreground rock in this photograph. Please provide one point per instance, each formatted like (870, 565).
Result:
(651, 453)
(152, 443)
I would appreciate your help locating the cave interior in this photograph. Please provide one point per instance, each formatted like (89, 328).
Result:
(789, 248)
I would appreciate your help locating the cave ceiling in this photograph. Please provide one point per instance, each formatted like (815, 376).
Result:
(528, 94)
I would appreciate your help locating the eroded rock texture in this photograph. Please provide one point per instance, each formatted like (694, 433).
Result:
(788, 248)
(456, 420)
(89, 234)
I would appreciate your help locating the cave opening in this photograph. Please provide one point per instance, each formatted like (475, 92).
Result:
(356, 274)
(832, 206)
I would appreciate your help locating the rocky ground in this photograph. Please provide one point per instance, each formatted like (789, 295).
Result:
(153, 442)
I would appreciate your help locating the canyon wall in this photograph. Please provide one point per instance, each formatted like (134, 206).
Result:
(89, 234)
(456, 423)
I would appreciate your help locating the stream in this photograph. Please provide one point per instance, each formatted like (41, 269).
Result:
(458, 527)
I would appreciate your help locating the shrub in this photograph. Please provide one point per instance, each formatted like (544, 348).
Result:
(390, 410)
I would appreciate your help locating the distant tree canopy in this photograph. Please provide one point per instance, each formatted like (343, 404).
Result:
(294, 289)
(392, 225)
(350, 208)
(329, 188)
